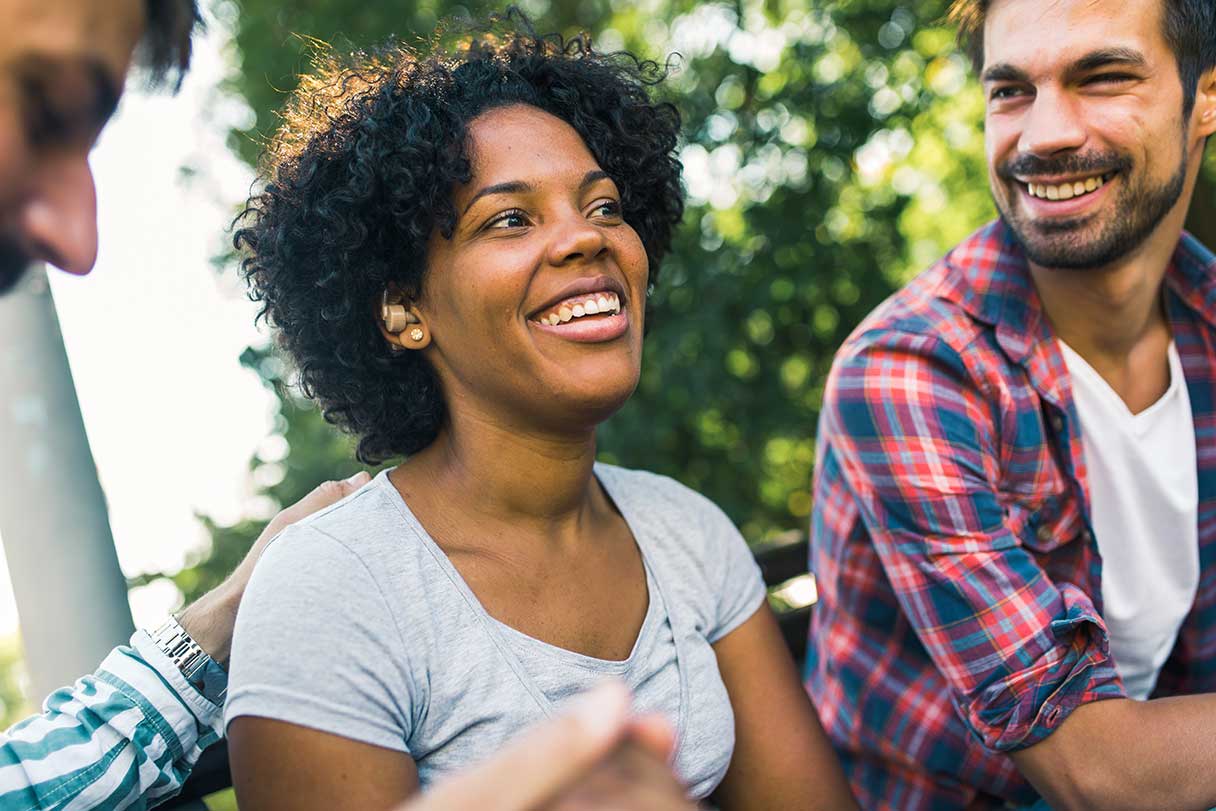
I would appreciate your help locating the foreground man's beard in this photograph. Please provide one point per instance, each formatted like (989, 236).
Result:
(1090, 240)
(14, 262)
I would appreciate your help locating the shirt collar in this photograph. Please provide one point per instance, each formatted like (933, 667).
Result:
(990, 280)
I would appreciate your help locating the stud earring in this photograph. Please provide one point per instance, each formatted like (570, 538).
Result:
(416, 334)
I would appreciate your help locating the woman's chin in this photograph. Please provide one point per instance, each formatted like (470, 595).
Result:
(587, 403)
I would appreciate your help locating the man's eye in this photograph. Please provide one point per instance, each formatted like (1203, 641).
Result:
(1007, 92)
(508, 219)
(1109, 78)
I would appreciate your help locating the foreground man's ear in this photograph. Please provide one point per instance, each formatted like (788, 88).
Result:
(1205, 104)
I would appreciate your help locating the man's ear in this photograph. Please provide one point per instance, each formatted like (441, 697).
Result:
(1205, 104)
(400, 321)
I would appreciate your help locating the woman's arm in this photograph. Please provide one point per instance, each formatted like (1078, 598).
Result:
(277, 765)
(782, 757)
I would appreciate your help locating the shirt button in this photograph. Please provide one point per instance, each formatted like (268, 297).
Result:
(1087, 536)
(1043, 533)
(1057, 423)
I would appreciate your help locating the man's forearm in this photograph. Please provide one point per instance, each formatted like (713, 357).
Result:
(1125, 755)
(124, 737)
(209, 621)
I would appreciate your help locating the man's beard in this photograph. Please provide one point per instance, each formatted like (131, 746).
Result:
(14, 262)
(1064, 243)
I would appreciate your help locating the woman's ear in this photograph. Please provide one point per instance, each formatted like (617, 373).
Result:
(400, 322)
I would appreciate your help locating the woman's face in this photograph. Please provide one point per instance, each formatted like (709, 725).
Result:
(535, 305)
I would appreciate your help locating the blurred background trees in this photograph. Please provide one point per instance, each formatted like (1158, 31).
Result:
(832, 149)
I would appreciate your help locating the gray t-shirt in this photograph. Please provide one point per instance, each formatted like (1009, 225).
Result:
(356, 623)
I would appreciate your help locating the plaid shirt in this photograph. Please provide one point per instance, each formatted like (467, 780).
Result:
(960, 612)
(126, 737)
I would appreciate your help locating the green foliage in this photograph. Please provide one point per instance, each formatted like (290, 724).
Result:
(13, 706)
(831, 152)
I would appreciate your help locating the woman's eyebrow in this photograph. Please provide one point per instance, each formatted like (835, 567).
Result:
(520, 187)
(594, 176)
(510, 187)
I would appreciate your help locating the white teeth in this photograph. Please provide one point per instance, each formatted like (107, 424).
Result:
(608, 303)
(1065, 191)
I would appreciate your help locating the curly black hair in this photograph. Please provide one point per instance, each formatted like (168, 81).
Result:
(361, 174)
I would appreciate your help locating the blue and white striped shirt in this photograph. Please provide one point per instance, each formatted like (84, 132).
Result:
(126, 737)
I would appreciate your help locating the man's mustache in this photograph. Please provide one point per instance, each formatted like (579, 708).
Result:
(14, 262)
(1094, 163)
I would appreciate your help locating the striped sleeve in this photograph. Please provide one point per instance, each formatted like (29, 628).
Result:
(125, 737)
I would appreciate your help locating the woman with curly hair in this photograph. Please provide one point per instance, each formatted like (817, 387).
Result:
(455, 250)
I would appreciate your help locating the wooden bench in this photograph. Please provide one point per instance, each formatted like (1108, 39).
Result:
(783, 566)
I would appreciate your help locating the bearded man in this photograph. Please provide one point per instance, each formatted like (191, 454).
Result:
(1014, 531)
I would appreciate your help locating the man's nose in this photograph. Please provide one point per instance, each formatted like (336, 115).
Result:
(1053, 124)
(58, 218)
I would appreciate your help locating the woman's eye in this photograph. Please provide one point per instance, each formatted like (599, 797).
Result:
(607, 208)
(508, 219)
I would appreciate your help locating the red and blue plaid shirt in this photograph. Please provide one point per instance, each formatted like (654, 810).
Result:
(960, 611)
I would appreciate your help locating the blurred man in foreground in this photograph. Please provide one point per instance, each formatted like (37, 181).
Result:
(129, 735)
(1013, 528)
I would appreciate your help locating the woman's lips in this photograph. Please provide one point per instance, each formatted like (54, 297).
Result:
(592, 329)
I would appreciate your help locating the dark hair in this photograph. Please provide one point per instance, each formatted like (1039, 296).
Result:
(362, 171)
(164, 51)
(1190, 30)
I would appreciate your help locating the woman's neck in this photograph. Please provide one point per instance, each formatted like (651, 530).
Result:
(501, 473)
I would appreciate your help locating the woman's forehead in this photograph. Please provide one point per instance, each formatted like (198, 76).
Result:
(522, 143)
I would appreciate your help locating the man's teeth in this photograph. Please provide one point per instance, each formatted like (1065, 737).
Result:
(1067, 191)
(601, 304)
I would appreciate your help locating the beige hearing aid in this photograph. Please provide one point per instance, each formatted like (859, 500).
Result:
(395, 315)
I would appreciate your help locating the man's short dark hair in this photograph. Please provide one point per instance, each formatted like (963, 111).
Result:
(1190, 30)
(164, 51)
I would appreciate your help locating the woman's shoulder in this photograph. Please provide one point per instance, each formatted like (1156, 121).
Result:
(682, 518)
(656, 491)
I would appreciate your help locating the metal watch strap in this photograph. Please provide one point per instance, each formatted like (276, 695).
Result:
(201, 671)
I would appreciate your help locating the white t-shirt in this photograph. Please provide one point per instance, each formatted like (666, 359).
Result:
(1144, 496)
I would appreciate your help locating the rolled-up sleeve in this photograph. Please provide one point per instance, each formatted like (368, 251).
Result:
(126, 737)
(917, 441)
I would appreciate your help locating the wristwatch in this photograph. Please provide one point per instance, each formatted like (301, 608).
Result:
(201, 671)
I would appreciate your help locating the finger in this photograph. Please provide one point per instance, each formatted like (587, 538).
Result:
(654, 733)
(356, 481)
(540, 763)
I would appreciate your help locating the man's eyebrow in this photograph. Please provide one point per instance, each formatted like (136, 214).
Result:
(510, 187)
(1004, 72)
(1094, 60)
(1107, 57)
